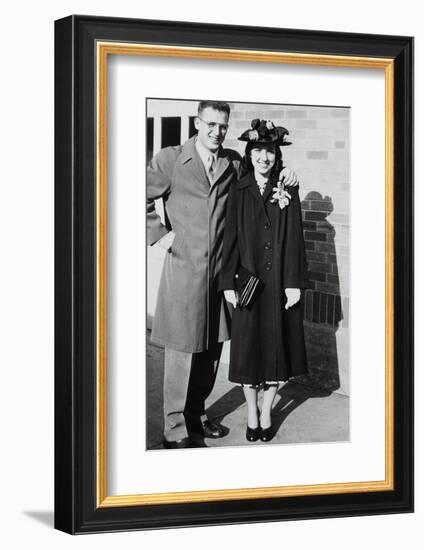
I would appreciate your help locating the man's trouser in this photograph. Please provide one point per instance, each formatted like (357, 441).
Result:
(188, 382)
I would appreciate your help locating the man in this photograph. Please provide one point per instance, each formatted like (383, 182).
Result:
(191, 318)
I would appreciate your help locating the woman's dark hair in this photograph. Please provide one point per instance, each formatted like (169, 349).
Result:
(246, 162)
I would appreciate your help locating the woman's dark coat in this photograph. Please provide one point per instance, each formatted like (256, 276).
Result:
(267, 341)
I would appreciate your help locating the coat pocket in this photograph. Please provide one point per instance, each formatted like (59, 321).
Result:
(177, 243)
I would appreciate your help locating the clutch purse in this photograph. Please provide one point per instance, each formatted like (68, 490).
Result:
(247, 287)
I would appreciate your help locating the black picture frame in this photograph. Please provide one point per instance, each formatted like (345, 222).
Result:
(76, 483)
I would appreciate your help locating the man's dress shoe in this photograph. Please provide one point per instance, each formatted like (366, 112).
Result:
(208, 428)
(184, 443)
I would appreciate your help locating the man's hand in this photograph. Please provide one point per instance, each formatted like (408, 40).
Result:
(166, 241)
(293, 296)
(231, 297)
(289, 177)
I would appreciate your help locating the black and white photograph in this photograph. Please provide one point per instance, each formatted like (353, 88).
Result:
(248, 242)
(211, 262)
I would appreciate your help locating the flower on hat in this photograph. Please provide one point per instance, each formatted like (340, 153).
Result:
(265, 131)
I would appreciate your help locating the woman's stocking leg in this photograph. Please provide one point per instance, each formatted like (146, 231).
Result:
(251, 396)
(270, 391)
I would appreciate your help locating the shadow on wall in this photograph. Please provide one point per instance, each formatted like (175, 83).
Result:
(322, 309)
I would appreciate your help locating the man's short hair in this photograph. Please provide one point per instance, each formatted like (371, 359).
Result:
(217, 105)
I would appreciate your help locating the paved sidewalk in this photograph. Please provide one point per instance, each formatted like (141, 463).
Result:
(310, 410)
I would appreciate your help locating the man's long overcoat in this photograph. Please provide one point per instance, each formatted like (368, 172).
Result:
(190, 313)
(267, 341)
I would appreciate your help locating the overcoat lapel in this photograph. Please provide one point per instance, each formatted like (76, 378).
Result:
(268, 190)
(191, 159)
(253, 189)
(250, 182)
(222, 164)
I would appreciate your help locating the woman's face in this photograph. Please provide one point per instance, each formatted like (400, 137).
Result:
(263, 158)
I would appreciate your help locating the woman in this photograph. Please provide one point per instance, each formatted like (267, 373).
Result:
(263, 270)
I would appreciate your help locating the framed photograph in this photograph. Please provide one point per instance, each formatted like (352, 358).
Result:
(234, 274)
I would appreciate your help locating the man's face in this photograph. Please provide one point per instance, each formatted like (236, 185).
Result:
(212, 128)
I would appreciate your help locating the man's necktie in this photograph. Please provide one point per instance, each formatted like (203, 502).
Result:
(211, 168)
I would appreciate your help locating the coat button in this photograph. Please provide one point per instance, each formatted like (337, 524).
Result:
(267, 246)
(268, 266)
(267, 225)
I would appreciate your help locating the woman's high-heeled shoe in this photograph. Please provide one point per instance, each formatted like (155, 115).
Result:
(252, 434)
(266, 434)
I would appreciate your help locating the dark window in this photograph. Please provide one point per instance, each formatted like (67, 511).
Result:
(171, 131)
(191, 129)
(149, 138)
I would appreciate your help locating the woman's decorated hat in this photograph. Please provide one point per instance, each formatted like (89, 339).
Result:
(264, 132)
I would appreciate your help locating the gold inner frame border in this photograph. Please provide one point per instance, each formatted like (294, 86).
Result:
(103, 50)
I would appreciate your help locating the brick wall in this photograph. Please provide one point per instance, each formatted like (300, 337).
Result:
(320, 156)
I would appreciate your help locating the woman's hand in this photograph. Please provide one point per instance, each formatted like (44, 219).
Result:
(231, 297)
(293, 296)
(289, 177)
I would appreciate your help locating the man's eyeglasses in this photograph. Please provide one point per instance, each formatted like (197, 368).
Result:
(212, 125)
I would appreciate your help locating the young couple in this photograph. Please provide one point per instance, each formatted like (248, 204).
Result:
(235, 257)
